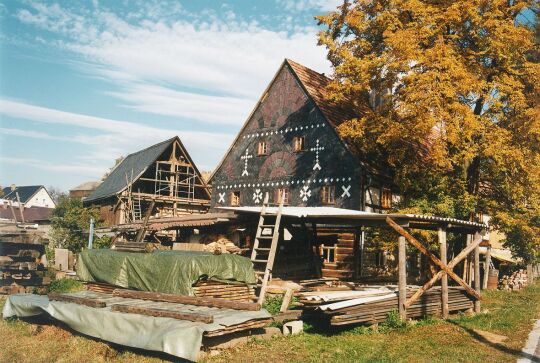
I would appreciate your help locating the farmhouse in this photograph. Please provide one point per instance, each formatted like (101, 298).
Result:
(163, 173)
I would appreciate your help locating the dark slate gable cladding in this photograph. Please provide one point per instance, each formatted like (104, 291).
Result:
(25, 192)
(138, 162)
(287, 110)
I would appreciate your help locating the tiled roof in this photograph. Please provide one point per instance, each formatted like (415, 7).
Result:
(33, 214)
(315, 84)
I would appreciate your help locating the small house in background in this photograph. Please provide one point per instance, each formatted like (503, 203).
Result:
(163, 173)
(29, 196)
(84, 190)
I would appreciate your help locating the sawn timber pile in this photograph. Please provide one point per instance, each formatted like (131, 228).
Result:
(377, 310)
(211, 289)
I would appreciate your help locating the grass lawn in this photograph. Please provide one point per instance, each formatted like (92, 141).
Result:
(507, 313)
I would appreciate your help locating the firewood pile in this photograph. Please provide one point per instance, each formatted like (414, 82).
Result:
(373, 305)
(21, 267)
(219, 244)
(515, 281)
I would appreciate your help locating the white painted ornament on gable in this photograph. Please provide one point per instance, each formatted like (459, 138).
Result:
(317, 148)
(305, 193)
(257, 196)
(346, 191)
(221, 197)
(246, 158)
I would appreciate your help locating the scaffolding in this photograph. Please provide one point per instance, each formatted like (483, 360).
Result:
(175, 179)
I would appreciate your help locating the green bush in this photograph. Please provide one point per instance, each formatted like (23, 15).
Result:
(273, 304)
(393, 321)
(66, 285)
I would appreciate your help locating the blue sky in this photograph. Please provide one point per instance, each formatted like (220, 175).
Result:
(83, 82)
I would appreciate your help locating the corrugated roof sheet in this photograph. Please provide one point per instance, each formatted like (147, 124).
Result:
(137, 162)
(331, 212)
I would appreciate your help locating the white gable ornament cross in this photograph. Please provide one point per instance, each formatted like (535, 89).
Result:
(346, 191)
(317, 148)
(221, 197)
(257, 196)
(246, 157)
(305, 193)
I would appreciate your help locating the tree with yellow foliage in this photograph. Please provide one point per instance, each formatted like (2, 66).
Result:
(448, 96)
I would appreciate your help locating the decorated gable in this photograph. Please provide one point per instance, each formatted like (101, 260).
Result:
(287, 147)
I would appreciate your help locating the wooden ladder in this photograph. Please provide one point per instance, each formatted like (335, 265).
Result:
(265, 246)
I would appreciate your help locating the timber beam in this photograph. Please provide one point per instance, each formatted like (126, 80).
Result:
(444, 268)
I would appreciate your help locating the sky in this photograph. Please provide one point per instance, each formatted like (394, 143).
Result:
(84, 82)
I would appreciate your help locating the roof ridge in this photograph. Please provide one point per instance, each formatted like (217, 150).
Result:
(152, 146)
(289, 60)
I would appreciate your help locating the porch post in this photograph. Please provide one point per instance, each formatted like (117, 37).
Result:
(477, 272)
(402, 278)
(444, 278)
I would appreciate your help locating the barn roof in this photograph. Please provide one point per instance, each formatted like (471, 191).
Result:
(136, 163)
(25, 192)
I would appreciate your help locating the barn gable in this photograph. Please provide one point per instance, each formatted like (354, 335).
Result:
(289, 142)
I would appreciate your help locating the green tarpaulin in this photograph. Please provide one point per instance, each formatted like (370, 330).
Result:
(171, 272)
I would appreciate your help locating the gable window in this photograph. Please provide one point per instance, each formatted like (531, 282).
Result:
(328, 194)
(282, 193)
(235, 199)
(262, 148)
(386, 198)
(299, 143)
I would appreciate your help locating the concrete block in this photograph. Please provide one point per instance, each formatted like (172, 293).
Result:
(61, 259)
(293, 327)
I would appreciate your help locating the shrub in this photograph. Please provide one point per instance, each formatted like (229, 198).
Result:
(66, 285)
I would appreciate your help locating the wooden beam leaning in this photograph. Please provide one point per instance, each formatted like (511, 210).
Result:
(190, 300)
(93, 303)
(432, 257)
(162, 313)
(462, 255)
(444, 280)
(142, 232)
(477, 272)
(402, 276)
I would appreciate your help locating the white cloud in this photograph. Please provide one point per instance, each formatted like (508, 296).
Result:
(115, 137)
(79, 169)
(153, 60)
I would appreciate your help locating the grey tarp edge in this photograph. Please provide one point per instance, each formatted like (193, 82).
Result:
(176, 337)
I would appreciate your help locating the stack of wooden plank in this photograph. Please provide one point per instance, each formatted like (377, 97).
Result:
(134, 247)
(174, 302)
(221, 290)
(20, 267)
(100, 287)
(374, 308)
(207, 288)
